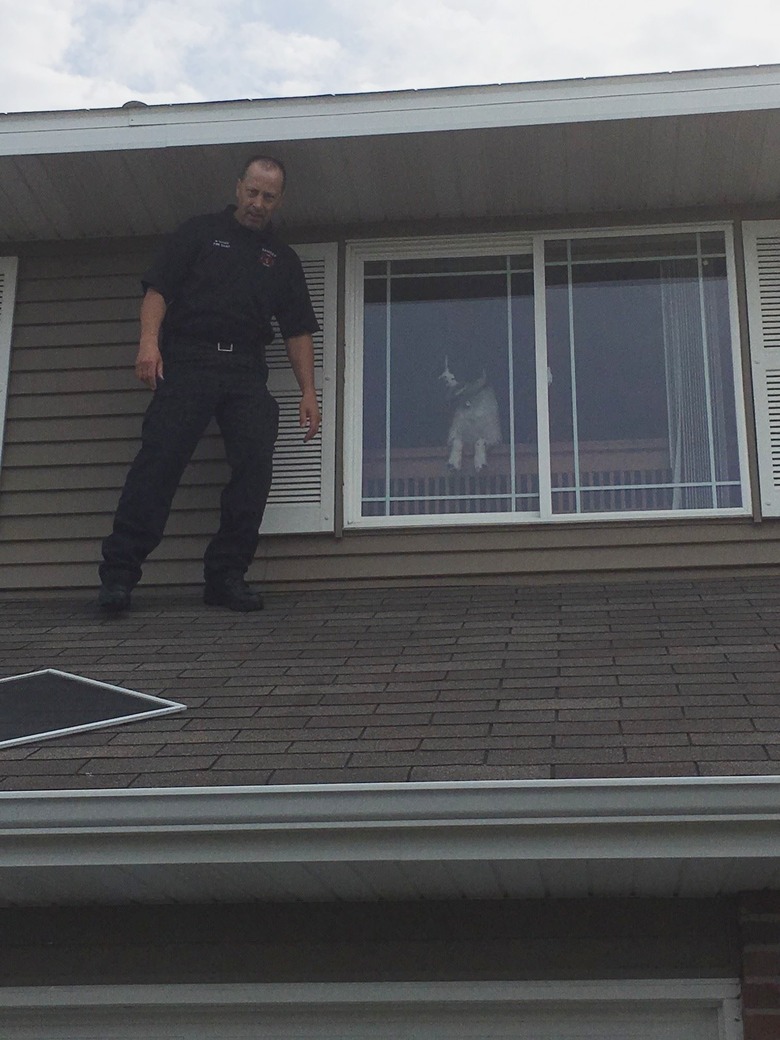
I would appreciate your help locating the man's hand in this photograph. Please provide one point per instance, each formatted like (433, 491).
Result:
(300, 351)
(309, 413)
(149, 364)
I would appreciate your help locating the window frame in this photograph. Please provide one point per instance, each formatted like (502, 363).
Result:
(360, 252)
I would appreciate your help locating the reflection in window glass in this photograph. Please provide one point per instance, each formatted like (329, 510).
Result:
(642, 411)
(449, 406)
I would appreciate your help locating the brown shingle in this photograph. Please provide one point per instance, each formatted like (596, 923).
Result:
(665, 678)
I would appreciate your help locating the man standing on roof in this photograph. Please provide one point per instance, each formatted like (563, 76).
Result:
(205, 322)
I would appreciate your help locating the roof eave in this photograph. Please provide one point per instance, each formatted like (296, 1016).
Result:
(652, 822)
(396, 112)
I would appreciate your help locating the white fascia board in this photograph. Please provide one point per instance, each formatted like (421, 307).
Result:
(397, 112)
(648, 819)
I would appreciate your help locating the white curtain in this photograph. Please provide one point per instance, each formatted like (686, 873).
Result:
(698, 441)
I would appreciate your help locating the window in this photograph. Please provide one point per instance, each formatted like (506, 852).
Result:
(545, 378)
(448, 348)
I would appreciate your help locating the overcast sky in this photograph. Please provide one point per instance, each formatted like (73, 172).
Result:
(66, 54)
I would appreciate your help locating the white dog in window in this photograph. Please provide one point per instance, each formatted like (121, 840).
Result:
(475, 420)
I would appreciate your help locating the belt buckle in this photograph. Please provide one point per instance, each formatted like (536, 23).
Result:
(224, 348)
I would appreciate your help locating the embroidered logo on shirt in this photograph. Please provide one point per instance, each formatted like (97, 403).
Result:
(267, 257)
(221, 243)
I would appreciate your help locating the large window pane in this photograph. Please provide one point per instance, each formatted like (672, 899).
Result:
(642, 413)
(449, 406)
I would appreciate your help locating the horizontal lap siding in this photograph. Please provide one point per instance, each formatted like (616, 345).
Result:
(73, 424)
(525, 553)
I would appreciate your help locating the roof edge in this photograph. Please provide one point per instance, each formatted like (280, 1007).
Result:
(393, 112)
(650, 836)
(360, 803)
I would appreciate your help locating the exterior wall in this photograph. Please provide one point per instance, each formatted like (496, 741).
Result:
(431, 941)
(73, 411)
(74, 414)
(759, 914)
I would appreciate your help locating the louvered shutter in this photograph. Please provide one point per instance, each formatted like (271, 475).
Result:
(8, 265)
(303, 492)
(762, 273)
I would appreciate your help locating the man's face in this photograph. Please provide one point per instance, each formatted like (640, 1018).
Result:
(259, 195)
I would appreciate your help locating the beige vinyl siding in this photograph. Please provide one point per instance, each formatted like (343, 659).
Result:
(532, 554)
(73, 411)
(74, 416)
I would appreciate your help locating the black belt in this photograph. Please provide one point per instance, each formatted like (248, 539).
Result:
(202, 347)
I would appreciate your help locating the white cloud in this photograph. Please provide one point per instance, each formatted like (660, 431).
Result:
(467, 41)
(34, 38)
(291, 63)
(88, 53)
(147, 44)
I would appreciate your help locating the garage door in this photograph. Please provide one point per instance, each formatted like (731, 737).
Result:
(470, 1011)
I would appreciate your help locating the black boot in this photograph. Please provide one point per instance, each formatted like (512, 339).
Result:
(114, 597)
(231, 591)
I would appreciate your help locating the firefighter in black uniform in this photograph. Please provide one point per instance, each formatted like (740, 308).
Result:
(205, 321)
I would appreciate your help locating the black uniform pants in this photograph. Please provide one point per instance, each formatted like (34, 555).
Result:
(234, 392)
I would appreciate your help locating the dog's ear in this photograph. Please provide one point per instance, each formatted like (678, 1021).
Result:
(447, 377)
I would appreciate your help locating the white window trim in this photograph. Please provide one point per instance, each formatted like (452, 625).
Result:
(360, 251)
(8, 271)
(721, 994)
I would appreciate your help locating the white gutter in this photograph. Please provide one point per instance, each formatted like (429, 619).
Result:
(423, 111)
(648, 819)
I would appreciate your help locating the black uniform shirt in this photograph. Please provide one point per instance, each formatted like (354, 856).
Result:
(223, 282)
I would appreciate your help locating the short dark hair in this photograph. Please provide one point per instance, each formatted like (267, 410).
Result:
(269, 162)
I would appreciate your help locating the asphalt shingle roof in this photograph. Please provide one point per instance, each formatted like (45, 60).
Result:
(628, 679)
